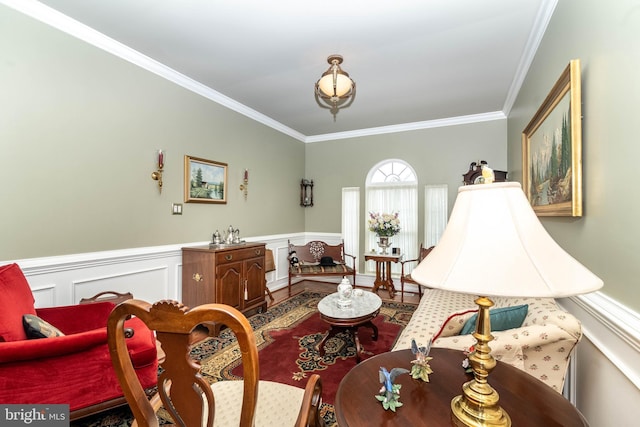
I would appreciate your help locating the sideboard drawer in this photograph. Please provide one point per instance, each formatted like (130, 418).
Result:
(239, 254)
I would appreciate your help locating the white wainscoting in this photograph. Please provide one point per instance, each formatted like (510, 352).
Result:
(606, 373)
(151, 273)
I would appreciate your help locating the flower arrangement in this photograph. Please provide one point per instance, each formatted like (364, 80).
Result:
(384, 224)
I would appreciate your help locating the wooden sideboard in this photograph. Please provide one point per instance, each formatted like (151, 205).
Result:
(232, 275)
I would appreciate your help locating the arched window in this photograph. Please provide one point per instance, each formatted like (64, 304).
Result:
(391, 187)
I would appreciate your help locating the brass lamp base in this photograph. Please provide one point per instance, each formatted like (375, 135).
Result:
(478, 405)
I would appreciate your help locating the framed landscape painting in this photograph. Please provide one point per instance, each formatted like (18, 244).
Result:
(205, 181)
(552, 150)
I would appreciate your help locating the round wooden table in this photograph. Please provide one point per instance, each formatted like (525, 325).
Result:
(528, 401)
(364, 308)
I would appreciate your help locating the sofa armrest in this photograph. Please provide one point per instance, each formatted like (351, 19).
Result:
(73, 319)
(15, 351)
(353, 260)
(525, 337)
(512, 345)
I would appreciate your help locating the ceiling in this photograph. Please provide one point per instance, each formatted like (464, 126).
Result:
(416, 63)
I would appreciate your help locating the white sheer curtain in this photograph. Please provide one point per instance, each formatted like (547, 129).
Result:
(351, 221)
(401, 197)
(435, 213)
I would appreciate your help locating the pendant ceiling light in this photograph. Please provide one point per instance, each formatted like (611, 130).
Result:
(335, 87)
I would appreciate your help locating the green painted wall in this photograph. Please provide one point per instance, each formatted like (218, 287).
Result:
(605, 36)
(78, 131)
(439, 156)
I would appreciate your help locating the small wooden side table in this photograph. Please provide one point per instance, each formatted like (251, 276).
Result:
(528, 401)
(383, 271)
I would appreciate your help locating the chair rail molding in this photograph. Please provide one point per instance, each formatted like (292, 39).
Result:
(612, 327)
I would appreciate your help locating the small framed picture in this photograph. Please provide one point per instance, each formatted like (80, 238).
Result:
(205, 181)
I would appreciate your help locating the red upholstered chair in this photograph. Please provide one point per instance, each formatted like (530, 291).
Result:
(73, 369)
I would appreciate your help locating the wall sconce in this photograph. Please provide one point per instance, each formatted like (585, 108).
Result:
(244, 187)
(306, 193)
(157, 175)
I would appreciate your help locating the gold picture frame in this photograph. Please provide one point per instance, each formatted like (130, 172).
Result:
(205, 181)
(552, 149)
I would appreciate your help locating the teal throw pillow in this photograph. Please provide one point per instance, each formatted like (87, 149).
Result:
(501, 319)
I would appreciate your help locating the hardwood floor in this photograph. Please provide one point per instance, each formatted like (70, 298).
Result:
(282, 294)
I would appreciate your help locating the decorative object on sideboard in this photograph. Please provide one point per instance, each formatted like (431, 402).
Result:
(474, 174)
(157, 175)
(335, 87)
(231, 237)
(500, 217)
(552, 149)
(306, 192)
(244, 187)
(205, 181)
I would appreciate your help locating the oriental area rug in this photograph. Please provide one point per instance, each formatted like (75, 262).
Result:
(287, 335)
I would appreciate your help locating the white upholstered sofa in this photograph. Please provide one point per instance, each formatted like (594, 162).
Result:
(541, 347)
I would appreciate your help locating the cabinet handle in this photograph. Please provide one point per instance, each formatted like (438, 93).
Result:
(228, 257)
(258, 251)
(198, 277)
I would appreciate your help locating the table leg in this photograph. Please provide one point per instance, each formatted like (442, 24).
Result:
(331, 332)
(378, 282)
(373, 327)
(389, 281)
(359, 348)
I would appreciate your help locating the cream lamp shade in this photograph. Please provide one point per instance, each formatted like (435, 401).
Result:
(495, 245)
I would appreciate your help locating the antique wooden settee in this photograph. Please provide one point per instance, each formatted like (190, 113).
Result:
(312, 261)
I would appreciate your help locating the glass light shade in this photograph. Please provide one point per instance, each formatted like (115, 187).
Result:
(343, 85)
(494, 245)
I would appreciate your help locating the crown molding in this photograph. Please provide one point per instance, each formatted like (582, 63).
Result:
(535, 38)
(52, 17)
(451, 121)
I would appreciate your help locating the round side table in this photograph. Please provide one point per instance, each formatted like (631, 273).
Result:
(363, 310)
(528, 401)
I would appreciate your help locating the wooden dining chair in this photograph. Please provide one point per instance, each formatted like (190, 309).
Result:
(405, 277)
(186, 396)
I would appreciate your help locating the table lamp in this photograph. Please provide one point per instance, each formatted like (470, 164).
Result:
(494, 245)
